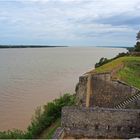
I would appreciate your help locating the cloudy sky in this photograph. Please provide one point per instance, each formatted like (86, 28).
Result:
(69, 22)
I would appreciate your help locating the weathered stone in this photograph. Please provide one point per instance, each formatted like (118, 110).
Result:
(80, 122)
(106, 92)
(108, 122)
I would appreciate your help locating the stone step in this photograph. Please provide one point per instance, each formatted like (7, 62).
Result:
(127, 101)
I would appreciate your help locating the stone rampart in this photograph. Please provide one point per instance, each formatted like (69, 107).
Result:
(105, 92)
(82, 122)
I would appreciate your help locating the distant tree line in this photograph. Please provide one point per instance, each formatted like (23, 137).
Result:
(27, 46)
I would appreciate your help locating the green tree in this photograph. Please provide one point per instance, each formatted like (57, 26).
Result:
(138, 36)
(137, 46)
(101, 62)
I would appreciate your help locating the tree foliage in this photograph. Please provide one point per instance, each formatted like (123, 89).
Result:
(137, 46)
(138, 36)
(101, 62)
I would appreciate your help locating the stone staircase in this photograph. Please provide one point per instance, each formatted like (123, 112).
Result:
(127, 101)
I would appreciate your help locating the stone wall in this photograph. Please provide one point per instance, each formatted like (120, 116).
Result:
(81, 122)
(134, 104)
(81, 89)
(105, 92)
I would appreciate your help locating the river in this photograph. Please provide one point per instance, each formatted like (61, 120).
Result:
(31, 77)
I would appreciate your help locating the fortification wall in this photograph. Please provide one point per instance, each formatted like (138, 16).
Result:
(105, 92)
(80, 122)
(110, 93)
(81, 89)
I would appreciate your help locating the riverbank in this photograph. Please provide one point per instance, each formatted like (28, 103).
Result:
(43, 119)
(34, 76)
(47, 118)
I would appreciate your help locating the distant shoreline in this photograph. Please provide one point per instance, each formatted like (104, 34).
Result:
(125, 47)
(28, 46)
(49, 46)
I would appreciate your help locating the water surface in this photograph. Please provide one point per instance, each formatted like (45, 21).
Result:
(31, 77)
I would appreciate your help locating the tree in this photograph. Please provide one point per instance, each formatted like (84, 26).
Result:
(137, 46)
(101, 62)
(138, 36)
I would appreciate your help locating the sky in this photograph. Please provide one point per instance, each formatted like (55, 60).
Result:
(69, 22)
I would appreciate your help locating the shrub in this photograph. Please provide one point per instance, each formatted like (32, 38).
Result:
(101, 62)
(45, 116)
(15, 134)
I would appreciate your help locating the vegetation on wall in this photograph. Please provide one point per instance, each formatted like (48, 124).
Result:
(43, 118)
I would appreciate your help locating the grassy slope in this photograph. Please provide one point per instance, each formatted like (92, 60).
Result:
(130, 73)
(48, 133)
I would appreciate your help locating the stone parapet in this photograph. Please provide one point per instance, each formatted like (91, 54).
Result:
(82, 122)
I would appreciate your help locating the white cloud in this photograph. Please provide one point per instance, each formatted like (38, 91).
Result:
(67, 18)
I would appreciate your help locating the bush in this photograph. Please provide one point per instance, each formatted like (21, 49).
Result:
(15, 134)
(101, 62)
(43, 118)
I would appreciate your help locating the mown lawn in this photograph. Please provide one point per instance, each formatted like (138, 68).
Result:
(130, 72)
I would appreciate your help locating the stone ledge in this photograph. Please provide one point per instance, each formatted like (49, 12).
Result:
(99, 109)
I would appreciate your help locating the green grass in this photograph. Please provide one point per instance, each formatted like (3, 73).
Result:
(49, 132)
(116, 63)
(130, 72)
